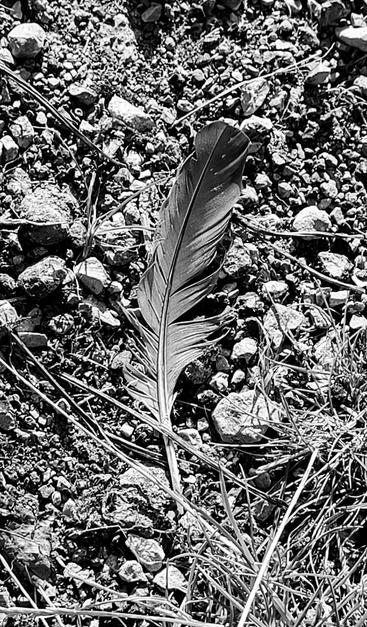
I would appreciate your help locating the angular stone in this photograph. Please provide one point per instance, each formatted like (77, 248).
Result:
(83, 94)
(275, 290)
(29, 548)
(244, 417)
(244, 350)
(253, 95)
(335, 265)
(92, 274)
(43, 278)
(99, 313)
(26, 40)
(48, 209)
(8, 148)
(22, 131)
(280, 320)
(127, 113)
(170, 578)
(237, 260)
(356, 37)
(131, 571)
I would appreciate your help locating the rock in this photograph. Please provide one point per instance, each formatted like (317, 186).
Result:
(281, 320)
(250, 302)
(8, 316)
(192, 436)
(170, 578)
(77, 234)
(22, 131)
(33, 340)
(138, 502)
(262, 181)
(357, 322)
(43, 278)
(237, 260)
(255, 126)
(99, 313)
(274, 290)
(7, 420)
(84, 95)
(361, 84)
(148, 552)
(152, 13)
(61, 324)
(311, 219)
(127, 113)
(335, 265)
(29, 549)
(131, 571)
(285, 190)
(356, 37)
(19, 183)
(49, 209)
(244, 350)
(26, 40)
(253, 95)
(5, 602)
(332, 11)
(120, 360)
(92, 274)
(244, 417)
(319, 74)
(8, 148)
(7, 285)
(338, 299)
(219, 382)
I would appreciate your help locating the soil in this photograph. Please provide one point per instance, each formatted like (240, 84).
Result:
(80, 527)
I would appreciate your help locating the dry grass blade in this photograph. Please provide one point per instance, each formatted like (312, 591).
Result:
(273, 545)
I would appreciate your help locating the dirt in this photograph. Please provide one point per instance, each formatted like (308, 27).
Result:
(80, 528)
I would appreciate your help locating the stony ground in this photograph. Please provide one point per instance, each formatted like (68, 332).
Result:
(80, 527)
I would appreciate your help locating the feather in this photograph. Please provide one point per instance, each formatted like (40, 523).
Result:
(192, 222)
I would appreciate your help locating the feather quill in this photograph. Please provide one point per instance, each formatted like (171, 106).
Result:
(192, 222)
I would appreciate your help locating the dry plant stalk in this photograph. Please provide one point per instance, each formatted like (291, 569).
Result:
(192, 222)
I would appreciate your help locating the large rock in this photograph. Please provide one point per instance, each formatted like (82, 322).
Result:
(48, 209)
(22, 131)
(8, 315)
(356, 37)
(26, 40)
(43, 278)
(244, 417)
(138, 502)
(127, 113)
(29, 549)
(311, 219)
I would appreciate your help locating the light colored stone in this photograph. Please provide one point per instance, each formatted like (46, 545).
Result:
(48, 209)
(244, 417)
(127, 113)
(170, 578)
(275, 290)
(92, 274)
(83, 94)
(357, 322)
(280, 320)
(192, 436)
(335, 265)
(131, 571)
(356, 37)
(256, 125)
(22, 131)
(219, 382)
(147, 551)
(253, 95)
(43, 278)
(319, 74)
(361, 83)
(8, 315)
(311, 219)
(244, 350)
(237, 260)
(26, 40)
(338, 299)
(8, 148)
